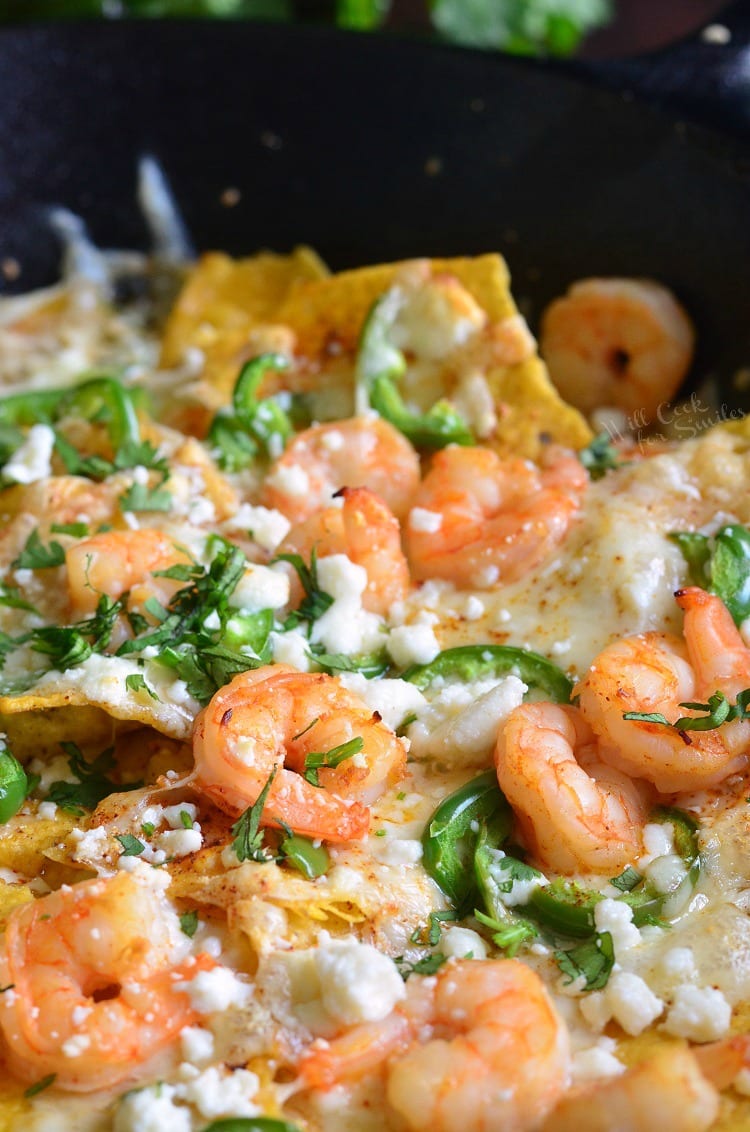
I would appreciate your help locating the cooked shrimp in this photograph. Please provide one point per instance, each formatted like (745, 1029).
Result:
(360, 452)
(624, 343)
(116, 561)
(575, 811)
(272, 719)
(366, 532)
(655, 672)
(91, 972)
(479, 1046)
(477, 519)
(666, 1093)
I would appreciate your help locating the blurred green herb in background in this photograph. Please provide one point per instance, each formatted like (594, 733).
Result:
(524, 27)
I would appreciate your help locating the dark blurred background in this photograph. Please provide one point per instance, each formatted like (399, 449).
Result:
(591, 28)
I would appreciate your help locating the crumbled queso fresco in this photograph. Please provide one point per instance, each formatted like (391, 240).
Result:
(309, 761)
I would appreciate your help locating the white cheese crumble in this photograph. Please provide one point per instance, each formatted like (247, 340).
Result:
(290, 479)
(260, 587)
(627, 998)
(180, 842)
(412, 644)
(291, 648)
(196, 1043)
(151, 1110)
(615, 917)
(428, 522)
(699, 1014)
(393, 700)
(459, 943)
(357, 982)
(461, 722)
(340, 982)
(266, 526)
(345, 626)
(215, 990)
(31, 462)
(216, 1093)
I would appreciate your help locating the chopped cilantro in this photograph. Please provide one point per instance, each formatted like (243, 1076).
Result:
(92, 786)
(148, 828)
(189, 923)
(40, 1086)
(316, 601)
(140, 497)
(137, 683)
(131, 846)
(718, 709)
(11, 597)
(186, 820)
(428, 965)
(316, 760)
(76, 530)
(600, 456)
(36, 556)
(593, 960)
(247, 836)
(627, 880)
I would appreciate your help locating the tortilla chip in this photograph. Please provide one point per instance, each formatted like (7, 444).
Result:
(35, 726)
(327, 311)
(531, 412)
(224, 300)
(24, 843)
(334, 309)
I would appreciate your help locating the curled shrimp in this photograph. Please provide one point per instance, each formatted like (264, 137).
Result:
(656, 672)
(114, 562)
(575, 811)
(624, 343)
(477, 519)
(365, 531)
(675, 1090)
(270, 720)
(360, 452)
(479, 1046)
(91, 972)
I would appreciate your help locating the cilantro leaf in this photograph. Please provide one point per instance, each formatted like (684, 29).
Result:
(593, 960)
(718, 709)
(75, 530)
(40, 1086)
(720, 564)
(316, 601)
(36, 556)
(140, 497)
(627, 880)
(246, 833)
(428, 965)
(600, 456)
(93, 784)
(136, 683)
(131, 846)
(10, 596)
(316, 760)
(189, 923)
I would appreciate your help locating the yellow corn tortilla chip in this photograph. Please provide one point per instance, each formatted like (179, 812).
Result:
(35, 726)
(530, 410)
(336, 307)
(223, 300)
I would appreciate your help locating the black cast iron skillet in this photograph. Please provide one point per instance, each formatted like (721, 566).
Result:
(373, 149)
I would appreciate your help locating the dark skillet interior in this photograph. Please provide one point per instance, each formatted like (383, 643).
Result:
(371, 150)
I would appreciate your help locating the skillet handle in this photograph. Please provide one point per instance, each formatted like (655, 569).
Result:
(700, 77)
